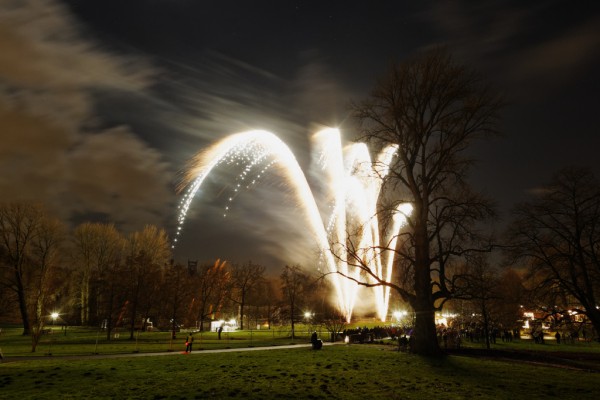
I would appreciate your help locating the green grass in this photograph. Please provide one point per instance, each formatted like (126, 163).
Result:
(550, 345)
(85, 341)
(342, 371)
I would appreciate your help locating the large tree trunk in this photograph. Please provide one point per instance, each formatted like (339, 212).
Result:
(242, 313)
(109, 314)
(425, 338)
(23, 306)
(134, 309)
(486, 326)
(132, 324)
(293, 327)
(85, 288)
(594, 317)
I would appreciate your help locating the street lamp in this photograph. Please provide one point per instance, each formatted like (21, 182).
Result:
(307, 317)
(54, 315)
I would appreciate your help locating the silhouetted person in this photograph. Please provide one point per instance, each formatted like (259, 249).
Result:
(316, 342)
(191, 342)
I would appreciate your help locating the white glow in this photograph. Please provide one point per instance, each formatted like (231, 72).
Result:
(400, 314)
(353, 183)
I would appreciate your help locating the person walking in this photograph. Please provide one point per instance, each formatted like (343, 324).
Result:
(189, 342)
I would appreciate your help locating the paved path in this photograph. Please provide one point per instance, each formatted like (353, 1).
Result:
(165, 353)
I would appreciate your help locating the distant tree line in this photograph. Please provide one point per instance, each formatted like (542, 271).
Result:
(94, 275)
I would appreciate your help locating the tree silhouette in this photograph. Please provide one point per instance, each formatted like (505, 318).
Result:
(557, 233)
(432, 109)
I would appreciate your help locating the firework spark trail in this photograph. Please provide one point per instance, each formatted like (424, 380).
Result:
(331, 154)
(399, 219)
(367, 191)
(354, 183)
(237, 147)
(367, 178)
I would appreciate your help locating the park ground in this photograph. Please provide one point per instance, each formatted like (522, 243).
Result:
(152, 366)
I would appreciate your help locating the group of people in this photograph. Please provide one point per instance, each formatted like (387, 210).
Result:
(368, 335)
(538, 337)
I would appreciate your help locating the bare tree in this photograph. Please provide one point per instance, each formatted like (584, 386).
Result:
(84, 240)
(45, 257)
(432, 109)
(97, 251)
(177, 290)
(333, 319)
(109, 276)
(8, 300)
(514, 296)
(557, 234)
(148, 251)
(244, 278)
(266, 297)
(480, 283)
(294, 285)
(212, 284)
(19, 224)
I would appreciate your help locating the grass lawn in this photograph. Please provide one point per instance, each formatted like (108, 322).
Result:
(86, 341)
(369, 371)
(340, 371)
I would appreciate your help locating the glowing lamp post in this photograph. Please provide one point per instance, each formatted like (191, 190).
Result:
(307, 316)
(54, 315)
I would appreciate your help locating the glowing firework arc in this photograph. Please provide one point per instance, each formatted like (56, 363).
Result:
(355, 185)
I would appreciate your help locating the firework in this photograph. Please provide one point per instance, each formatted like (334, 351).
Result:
(354, 185)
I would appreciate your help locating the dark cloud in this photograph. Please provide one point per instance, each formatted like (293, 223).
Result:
(558, 60)
(47, 76)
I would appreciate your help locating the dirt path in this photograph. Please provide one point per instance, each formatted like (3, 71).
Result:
(166, 353)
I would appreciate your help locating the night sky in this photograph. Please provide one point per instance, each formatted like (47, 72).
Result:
(103, 102)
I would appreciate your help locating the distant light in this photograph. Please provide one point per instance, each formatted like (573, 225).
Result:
(307, 314)
(54, 315)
